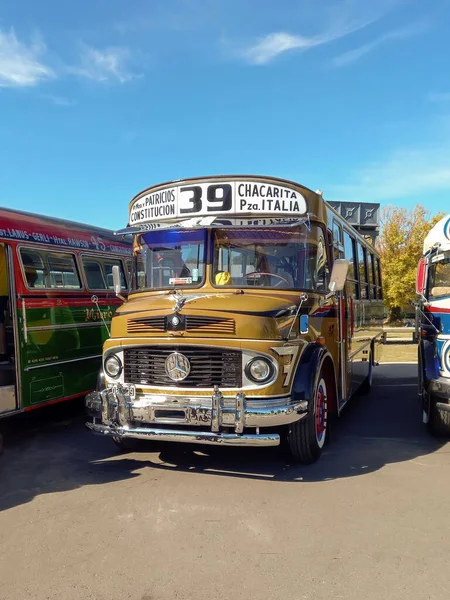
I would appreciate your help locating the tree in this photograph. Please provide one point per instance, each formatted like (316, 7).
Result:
(400, 246)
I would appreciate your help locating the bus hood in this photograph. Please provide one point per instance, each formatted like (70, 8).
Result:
(215, 315)
(247, 303)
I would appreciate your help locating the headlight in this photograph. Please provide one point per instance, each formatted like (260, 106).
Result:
(259, 370)
(113, 366)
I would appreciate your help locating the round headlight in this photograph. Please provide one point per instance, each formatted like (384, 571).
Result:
(113, 366)
(259, 370)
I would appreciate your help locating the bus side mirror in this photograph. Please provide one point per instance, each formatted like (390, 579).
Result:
(338, 275)
(421, 278)
(116, 282)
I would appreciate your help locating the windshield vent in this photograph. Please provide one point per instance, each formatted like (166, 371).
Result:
(212, 325)
(146, 324)
(203, 325)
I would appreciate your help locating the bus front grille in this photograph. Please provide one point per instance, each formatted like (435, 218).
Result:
(145, 365)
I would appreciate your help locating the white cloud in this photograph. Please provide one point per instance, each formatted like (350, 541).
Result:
(345, 18)
(104, 65)
(405, 173)
(21, 64)
(398, 34)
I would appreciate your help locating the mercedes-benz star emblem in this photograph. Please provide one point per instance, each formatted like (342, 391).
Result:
(177, 366)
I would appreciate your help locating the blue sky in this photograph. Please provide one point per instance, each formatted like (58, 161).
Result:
(99, 100)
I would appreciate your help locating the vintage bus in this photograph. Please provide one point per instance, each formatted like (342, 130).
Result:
(433, 326)
(255, 312)
(56, 304)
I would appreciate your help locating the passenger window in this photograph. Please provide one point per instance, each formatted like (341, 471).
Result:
(338, 250)
(62, 271)
(33, 268)
(350, 254)
(379, 279)
(98, 273)
(109, 276)
(362, 271)
(372, 284)
(94, 274)
(49, 270)
(321, 266)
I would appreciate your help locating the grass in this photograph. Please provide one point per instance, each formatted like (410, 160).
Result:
(399, 353)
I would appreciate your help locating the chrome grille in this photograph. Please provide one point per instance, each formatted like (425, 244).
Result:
(209, 366)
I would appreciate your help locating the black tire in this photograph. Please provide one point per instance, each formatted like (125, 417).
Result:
(306, 438)
(366, 385)
(439, 420)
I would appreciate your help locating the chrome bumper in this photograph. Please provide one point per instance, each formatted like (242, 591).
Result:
(214, 420)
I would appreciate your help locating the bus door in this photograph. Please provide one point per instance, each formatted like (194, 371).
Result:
(345, 314)
(345, 375)
(9, 400)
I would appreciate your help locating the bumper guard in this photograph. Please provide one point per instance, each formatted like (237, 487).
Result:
(123, 417)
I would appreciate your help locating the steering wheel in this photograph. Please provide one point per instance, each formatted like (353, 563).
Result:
(262, 273)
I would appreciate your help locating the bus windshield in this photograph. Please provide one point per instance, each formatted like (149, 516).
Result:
(172, 258)
(278, 257)
(439, 278)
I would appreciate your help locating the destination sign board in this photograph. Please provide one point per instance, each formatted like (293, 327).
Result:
(227, 198)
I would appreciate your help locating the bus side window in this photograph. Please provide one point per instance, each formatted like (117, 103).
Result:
(372, 274)
(379, 279)
(338, 247)
(94, 274)
(362, 271)
(33, 268)
(62, 271)
(321, 275)
(108, 265)
(350, 254)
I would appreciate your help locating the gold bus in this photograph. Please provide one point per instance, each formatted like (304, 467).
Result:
(255, 312)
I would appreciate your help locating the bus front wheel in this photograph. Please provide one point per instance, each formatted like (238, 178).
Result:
(439, 420)
(306, 438)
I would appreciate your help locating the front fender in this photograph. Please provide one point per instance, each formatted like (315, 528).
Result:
(305, 379)
(430, 361)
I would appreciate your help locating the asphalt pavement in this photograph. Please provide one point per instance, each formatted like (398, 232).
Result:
(371, 519)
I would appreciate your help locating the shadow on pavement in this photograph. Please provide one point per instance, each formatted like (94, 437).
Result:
(381, 428)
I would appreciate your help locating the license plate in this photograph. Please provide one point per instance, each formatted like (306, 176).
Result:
(129, 389)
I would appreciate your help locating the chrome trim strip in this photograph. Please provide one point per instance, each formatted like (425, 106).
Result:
(62, 362)
(13, 302)
(24, 321)
(68, 326)
(187, 436)
(360, 348)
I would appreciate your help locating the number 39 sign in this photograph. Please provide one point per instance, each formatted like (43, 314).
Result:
(246, 197)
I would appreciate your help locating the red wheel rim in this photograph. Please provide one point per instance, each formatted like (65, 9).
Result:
(321, 415)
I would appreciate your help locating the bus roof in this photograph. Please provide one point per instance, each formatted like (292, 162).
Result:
(439, 236)
(30, 227)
